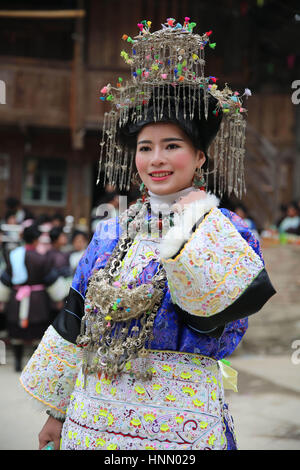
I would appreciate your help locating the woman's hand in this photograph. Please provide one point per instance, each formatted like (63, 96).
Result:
(50, 432)
(191, 197)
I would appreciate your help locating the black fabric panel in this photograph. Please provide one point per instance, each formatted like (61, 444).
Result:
(68, 321)
(51, 277)
(64, 271)
(6, 279)
(191, 321)
(215, 333)
(250, 302)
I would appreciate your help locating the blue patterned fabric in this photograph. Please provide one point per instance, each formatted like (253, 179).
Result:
(168, 330)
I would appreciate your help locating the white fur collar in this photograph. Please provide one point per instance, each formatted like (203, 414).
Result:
(162, 203)
(181, 232)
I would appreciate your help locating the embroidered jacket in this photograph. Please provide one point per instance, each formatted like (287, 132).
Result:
(230, 289)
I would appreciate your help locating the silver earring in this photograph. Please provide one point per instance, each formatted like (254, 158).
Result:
(198, 179)
(136, 180)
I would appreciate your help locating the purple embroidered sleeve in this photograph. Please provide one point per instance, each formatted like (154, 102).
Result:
(169, 334)
(234, 331)
(216, 348)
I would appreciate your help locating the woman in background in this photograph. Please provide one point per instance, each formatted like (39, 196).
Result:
(26, 286)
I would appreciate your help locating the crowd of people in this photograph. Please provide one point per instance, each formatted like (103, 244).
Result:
(287, 223)
(38, 257)
(45, 250)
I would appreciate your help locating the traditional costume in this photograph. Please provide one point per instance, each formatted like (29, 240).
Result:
(27, 286)
(160, 298)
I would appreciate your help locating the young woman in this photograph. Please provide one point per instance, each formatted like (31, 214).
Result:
(160, 297)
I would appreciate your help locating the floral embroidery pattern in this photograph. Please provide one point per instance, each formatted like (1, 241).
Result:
(214, 268)
(169, 332)
(50, 374)
(141, 253)
(178, 409)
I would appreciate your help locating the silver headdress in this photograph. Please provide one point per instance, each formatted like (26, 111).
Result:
(167, 70)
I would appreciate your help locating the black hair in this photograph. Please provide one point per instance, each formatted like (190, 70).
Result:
(79, 232)
(240, 205)
(55, 233)
(9, 214)
(58, 216)
(12, 203)
(199, 130)
(294, 205)
(107, 197)
(31, 234)
(43, 219)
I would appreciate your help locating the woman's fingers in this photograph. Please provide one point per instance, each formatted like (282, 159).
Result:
(57, 444)
(51, 432)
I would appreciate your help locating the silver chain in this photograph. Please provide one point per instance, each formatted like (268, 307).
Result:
(113, 268)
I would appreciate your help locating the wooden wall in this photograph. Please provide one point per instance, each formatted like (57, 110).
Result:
(273, 116)
(42, 94)
(80, 165)
(39, 92)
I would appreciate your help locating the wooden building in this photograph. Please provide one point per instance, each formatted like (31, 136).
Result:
(54, 63)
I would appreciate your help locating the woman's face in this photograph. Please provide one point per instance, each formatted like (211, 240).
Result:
(79, 243)
(292, 211)
(166, 159)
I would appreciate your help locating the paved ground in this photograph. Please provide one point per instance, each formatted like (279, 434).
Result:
(266, 409)
(277, 325)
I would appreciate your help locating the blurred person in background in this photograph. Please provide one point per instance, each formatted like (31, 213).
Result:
(57, 254)
(58, 220)
(2, 305)
(15, 206)
(242, 211)
(11, 229)
(291, 221)
(11, 218)
(59, 260)
(10, 238)
(109, 204)
(107, 207)
(26, 286)
(283, 209)
(80, 241)
(43, 221)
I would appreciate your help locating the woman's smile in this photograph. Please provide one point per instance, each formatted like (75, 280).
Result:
(160, 175)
